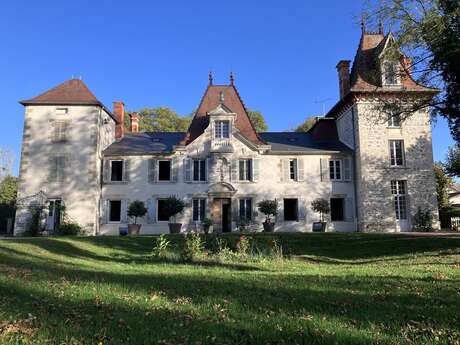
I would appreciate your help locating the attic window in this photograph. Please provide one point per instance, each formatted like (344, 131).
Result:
(390, 73)
(62, 111)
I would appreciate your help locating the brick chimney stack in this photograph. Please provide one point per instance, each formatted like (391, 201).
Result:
(119, 112)
(343, 68)
(134, 123)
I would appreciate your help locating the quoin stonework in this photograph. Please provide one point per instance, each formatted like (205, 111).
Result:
(375, 174)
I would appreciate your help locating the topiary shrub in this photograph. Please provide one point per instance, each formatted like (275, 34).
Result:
(321, 206)
(136, 209)
(269, 208)
(173, 206)
(70, 229)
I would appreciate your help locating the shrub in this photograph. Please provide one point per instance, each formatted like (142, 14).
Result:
(207, 222)
(269, 208)
(322, 206)
(161, 246)
(423, 220)
(243, 246)
(34, 224)
(70, 229)
(242, 224)
(173, 206)
(193, 247)
(221, 251)
(276, 250)
(136, 209)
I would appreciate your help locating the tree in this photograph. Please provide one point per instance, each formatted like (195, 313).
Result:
(6, 163)
(8, 192)
(443, 181)
(136, 209)
(322, 206)
(429, 32)
(257, 120)
(306, 125)
(160, 119)
(452, 166)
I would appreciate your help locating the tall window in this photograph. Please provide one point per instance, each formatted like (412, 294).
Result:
(337, 206)
(293, 169)
(222, 129)
(162, 211)
(396, 153)
(199, 208)
(335, 169)
(246, 209)
(199, 170)
(291, 209)
(390, 73)
(164, 170)
(245, 166)
(394, 121)
(60, 131)
(57, 168)
(114, 210)
(116, 170)
(399, 190)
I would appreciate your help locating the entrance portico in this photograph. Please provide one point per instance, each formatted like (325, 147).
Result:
(220, 198)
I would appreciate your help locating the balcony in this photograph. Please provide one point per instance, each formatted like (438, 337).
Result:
(221, 145)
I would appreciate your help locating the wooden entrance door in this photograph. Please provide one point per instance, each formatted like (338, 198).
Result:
(221, 214)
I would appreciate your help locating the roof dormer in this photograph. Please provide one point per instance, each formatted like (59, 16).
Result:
(389, 61)
(221, 123)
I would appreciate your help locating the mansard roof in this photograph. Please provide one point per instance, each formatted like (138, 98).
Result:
(211, 100)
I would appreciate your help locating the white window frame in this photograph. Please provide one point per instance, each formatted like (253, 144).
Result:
(109, 210)
(293, 169)
(170, 170)
(198, 202)
(393, 153)
(219, 129)
(399, 192)
(201, 172)
(245, 202)
(395, 66)
(391, 121)
(336, 166)
(247, 165)
(122, 170)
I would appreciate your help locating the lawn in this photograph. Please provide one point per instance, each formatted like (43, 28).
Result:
(332, 289)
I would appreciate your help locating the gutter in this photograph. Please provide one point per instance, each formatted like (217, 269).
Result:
(355, 186)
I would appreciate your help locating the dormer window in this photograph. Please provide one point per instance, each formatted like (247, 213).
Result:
(222, 129)
(390, 73)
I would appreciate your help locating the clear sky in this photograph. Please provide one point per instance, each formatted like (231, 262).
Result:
(158, 53)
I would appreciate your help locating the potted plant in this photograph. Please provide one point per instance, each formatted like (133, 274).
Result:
(322, 206)
(136, 209)
(172, 207)
(207, 223)
(269, 208)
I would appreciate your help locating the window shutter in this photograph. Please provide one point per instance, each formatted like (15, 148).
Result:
(60, 167)
(285, 169)
(235, 209)
(152, 169)
(174, 167)
(347, 169)
(150, 211)
(300, 170)
(126, 171)
(255, 169)
(124, 211)
(324, 167)
(187, 169)
(106, 170)
(105, 212)
(302, 209)
(349, 210)
(52, 166)
(234, 170)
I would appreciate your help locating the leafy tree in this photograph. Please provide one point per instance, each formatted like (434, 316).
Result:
(136, 209)
(8, 192)
(429, 32)
(321, 206)
(160, 119)
(443, 181)
(257, 120)
(306, 125)
(452, 166)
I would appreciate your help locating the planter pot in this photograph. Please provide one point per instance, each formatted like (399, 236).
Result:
(134, 229)
(269, 227)
(174, 228)
(319, 227)
(207, 229)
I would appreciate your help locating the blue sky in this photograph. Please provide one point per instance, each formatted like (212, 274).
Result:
(158, 53)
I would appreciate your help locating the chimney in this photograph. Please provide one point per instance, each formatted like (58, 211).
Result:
(343, 68)
(119, 112)
(134, 123)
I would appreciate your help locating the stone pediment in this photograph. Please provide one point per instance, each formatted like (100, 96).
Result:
(221, 189)
(221, 109)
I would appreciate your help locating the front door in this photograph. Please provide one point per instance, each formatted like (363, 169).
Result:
(221, 215)
(53, 218)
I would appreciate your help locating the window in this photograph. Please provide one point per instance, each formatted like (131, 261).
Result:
(199, 207)
(337, 206)
(199, 170)
(245, 166)
(114, 210)
(394, 121)
(162, 215)
(57, 168)
(62, 111)
(396, 153)
(246, 209)
(116, 171)
(290, 209)
(390, 73)
(398, 189)
(335, 172)
(222, 129)
(164, 170)
(293, 169)
(60, 130)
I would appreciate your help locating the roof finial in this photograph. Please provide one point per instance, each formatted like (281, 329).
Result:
(380, 26)
(363, 24)
(232, 79)
(221, 97)
(210, 77)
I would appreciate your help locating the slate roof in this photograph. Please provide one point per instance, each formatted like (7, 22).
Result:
(144, 143)
(299, 142)
(210, 101)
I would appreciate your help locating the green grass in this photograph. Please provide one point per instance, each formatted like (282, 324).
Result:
(334, 289)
